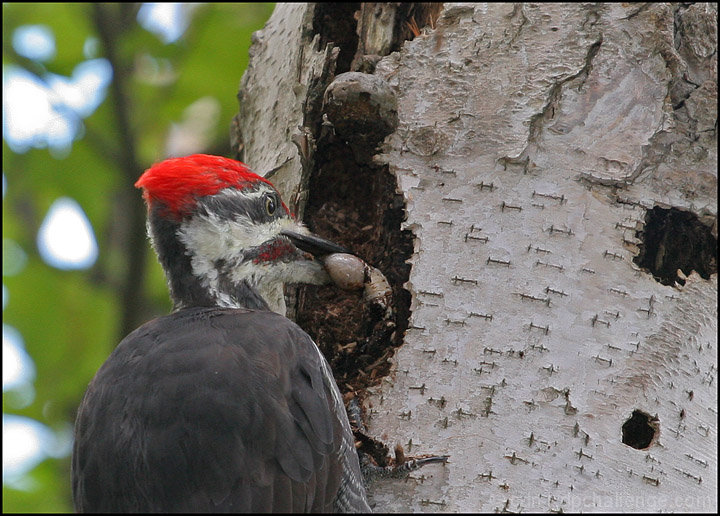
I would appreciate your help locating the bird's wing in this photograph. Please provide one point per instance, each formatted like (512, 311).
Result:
(187, 416)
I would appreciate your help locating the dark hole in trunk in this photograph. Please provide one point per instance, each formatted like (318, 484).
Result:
(357, 207)
(639, 431)
(674, 239)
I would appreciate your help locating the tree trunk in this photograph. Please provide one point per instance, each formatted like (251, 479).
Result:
(558, 165)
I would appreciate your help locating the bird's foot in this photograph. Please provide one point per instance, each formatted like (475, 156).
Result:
(402, 467)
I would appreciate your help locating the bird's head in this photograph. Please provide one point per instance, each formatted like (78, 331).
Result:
(224, 236)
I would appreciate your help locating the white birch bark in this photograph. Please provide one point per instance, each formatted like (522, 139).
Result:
(532, 140)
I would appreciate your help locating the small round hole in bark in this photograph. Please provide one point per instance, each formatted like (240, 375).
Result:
(640, 430)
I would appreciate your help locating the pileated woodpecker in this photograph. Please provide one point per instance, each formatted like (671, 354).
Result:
(225, 404)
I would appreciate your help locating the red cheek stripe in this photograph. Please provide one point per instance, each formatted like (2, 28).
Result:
(274, 250)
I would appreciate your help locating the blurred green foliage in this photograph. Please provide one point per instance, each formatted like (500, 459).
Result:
(69, 320)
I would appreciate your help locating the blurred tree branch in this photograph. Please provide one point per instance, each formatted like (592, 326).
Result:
(111, 21)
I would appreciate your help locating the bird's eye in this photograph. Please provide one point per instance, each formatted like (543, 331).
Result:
(270, 205)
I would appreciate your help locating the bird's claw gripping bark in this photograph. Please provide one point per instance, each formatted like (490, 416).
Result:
(372, 472)
(402, 467)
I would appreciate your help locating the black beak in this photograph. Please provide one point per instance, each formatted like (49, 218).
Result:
(313, 244)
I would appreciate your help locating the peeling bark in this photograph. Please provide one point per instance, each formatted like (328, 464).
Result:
(533, 141)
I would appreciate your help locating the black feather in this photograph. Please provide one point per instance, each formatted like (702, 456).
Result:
(185, 416)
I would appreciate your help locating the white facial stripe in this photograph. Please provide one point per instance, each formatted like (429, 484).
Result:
(257, 192)
(210, 238)
(244, 232)
(248, 194)
(216, 238)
